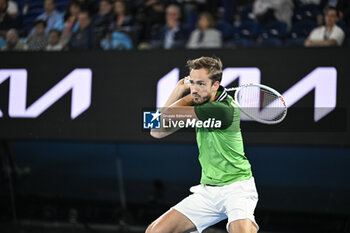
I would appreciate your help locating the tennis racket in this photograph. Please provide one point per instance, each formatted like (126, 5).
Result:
(260, 103)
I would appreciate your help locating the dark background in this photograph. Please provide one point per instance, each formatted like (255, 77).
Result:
(124, 83)
(104, 167)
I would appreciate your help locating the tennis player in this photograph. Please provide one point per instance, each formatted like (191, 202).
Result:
(227, 188)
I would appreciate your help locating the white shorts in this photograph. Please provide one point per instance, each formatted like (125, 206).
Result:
(211, 204)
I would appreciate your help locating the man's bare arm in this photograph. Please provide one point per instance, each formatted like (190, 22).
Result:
(315, 43)
(175, 105)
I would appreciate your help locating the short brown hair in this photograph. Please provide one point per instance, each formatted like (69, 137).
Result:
(211, 64)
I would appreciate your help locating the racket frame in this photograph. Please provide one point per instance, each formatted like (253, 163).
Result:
(235, 100)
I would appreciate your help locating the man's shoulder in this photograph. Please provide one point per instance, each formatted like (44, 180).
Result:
(318, 29)
(222, 107)
(227, 101)
(338, 29)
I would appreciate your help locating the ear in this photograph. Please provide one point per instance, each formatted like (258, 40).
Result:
(216, 85)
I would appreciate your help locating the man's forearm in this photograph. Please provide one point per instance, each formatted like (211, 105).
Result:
(175, 95)
(180, 107)
(330, 42)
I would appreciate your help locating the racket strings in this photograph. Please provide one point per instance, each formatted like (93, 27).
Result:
(261, 103)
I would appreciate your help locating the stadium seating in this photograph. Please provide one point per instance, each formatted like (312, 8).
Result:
(272, 34)
(245, 35)
(300, 31)
(226, 30)
(306, 12)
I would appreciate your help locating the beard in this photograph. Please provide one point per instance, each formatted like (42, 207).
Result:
(201, 100)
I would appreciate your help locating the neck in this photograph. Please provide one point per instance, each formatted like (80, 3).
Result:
(213, 96)
(329, 27)
(172, 25)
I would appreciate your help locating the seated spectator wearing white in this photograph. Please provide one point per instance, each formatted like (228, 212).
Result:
(38, 39)
(205, 36)
(51, 15)
(329, 34)
(173, 34)
(68, 22)
(82, 38)
(54, 41)
(13, 42)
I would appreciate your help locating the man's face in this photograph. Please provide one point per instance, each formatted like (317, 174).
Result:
(172, 15)
(74, 9)
(119, 7)
(11, 37)
(53, 38)
(105, 7)
(49, 5)
(202, 89)
(331, 17)
(83, 20)
(203, 22)
(39, 29)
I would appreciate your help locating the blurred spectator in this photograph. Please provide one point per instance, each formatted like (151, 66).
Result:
(173, 34)
(205, 36)
(82, 38)
(328, 35)
(6, 21)
(38, 39)
(151, 15)
(68, 22)
(12, 9)
(51, 15)
(101, 21)
(341, 5)
(122, 20)
(54, 41)
(13, 42)
(269, 10)
(116, 41)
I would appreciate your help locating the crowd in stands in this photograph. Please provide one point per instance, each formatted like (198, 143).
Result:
(55, 25)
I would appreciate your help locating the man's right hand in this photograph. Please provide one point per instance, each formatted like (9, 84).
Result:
(184, 86)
